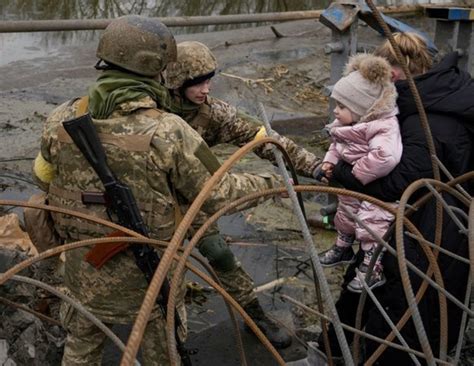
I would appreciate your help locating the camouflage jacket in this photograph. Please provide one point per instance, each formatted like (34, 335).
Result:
(154, 153)
(218, 122)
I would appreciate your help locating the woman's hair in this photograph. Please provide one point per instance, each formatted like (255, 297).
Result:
(414, 50)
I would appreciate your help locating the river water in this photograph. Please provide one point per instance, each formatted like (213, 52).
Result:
(25, 46)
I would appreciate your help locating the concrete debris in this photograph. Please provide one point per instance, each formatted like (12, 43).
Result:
(314, 358)
(309, 333)
(24, 338)
(3, 351)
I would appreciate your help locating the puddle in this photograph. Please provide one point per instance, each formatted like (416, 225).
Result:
(283, 55)
(11, 191)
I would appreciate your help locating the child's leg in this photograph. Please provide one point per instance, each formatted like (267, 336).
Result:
(341, 252)
(344, 240)
(369, 252)
(378, 221)
(343, 221)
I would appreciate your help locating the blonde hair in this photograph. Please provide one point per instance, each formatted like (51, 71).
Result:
(413, 48)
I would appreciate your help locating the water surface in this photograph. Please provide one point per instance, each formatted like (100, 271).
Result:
(24, 46)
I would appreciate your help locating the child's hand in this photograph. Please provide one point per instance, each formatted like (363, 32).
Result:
(328, 169)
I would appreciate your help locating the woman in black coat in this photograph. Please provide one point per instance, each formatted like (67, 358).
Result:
(448, 98)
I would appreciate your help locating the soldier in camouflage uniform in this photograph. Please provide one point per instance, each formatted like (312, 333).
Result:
(189, 80)
(217, 121)
(153, 152)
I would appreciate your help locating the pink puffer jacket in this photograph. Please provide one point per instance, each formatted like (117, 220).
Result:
(374, 148)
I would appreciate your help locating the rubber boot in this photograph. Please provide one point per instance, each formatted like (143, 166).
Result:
(279, 337)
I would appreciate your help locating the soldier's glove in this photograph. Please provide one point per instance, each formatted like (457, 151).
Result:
(319, 175)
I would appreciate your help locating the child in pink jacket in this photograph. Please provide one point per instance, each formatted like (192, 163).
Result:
(365, 134)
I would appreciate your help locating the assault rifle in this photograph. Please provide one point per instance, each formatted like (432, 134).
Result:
(122, 209)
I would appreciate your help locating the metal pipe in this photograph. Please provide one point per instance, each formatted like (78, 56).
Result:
(386, 316)
(462, 328)
(360, 332)
(341, 338)
(54, 25)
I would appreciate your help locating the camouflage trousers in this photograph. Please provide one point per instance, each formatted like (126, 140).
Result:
(85, 342)
(238, 284)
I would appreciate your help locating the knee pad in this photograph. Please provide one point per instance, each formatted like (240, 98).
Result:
(218, 253)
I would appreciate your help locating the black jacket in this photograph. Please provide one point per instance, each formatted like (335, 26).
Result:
(448, 98)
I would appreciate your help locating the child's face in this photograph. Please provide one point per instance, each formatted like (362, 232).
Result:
(198, 93)
(343, 114)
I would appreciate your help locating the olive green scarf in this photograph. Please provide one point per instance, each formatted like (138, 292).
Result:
(187, 110)
(114, 87)
(183, 106)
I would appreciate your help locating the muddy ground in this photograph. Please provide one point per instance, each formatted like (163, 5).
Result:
(287, 74)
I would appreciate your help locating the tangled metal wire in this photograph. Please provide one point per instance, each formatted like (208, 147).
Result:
(402, 226)
(255, 196)
(427, 247)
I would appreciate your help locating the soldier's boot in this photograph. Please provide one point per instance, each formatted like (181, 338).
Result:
(277, 335)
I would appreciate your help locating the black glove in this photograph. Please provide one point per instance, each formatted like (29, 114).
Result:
(318, 173)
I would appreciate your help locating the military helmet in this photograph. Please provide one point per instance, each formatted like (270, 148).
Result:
(138, 44)
(194, 60)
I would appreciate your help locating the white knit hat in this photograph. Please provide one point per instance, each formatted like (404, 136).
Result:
(364, 82)
(356, 93)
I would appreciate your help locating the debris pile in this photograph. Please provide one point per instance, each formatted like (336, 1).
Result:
(25, 339)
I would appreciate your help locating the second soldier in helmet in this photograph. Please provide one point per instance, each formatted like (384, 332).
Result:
(189, 80)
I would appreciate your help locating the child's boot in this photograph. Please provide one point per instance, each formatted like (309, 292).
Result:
(376, 279)
(339, 253)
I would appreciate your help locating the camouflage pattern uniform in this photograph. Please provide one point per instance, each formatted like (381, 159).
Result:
(150, 151)
(156, 154)
(219, 122)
